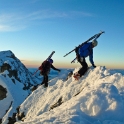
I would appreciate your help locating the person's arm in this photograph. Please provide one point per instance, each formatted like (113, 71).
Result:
(54, 68)
(91, 59)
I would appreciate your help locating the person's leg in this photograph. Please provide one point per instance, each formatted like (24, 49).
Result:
(46, 80)
(84, 67)
(43, 80)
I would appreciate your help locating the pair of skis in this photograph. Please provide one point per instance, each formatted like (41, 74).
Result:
(96, 36)
(45, 60)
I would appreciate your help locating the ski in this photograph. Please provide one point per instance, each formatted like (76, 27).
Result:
(50, 55)
(93, 37)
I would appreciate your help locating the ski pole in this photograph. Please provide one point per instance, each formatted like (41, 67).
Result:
(73, 60)
(35, 72)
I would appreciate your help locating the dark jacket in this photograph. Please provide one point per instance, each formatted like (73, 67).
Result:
(45, 68)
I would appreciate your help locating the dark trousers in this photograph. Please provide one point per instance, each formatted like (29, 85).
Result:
(84, 67)
(45, 80)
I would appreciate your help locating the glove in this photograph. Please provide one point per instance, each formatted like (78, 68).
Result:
(93, 65)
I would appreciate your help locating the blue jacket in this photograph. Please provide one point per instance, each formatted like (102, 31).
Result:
(87, 50)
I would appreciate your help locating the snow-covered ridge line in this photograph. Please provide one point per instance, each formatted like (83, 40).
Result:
(97, 98)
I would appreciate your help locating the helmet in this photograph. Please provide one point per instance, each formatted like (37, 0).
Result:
(95, 43)
(50, 60)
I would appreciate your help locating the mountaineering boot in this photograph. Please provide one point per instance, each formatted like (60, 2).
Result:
(76, 76)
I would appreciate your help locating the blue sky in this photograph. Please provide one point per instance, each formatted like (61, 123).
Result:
(32, 29)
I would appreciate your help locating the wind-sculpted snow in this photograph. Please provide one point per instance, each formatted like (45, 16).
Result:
(96, 98)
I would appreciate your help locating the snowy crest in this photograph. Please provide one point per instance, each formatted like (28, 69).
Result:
(96, 98)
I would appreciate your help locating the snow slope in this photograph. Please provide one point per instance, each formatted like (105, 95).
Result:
(17, 81)
(97, 98)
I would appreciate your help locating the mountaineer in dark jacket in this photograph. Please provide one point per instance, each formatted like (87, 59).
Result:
(45, 69)
(81, 53)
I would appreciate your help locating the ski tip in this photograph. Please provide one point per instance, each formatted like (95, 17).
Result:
(65, 55)
(102, 31)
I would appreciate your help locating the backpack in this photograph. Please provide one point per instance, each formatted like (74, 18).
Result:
(45, 68)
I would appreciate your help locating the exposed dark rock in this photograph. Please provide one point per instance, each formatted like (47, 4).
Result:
(58, 103)
(13, 81)
(20, 116)
(77, 93)
(17, 109)
(27, 86)
(4, 67)
(34, 87)
(3, 92)
(12, 119)
(0, 121)
(13, 73)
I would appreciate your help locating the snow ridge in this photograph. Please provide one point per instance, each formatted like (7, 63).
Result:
(97, 98)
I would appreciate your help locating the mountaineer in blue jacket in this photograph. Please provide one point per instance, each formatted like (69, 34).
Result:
(81, 53)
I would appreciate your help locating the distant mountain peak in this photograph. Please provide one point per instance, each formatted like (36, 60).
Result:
(16, 69)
